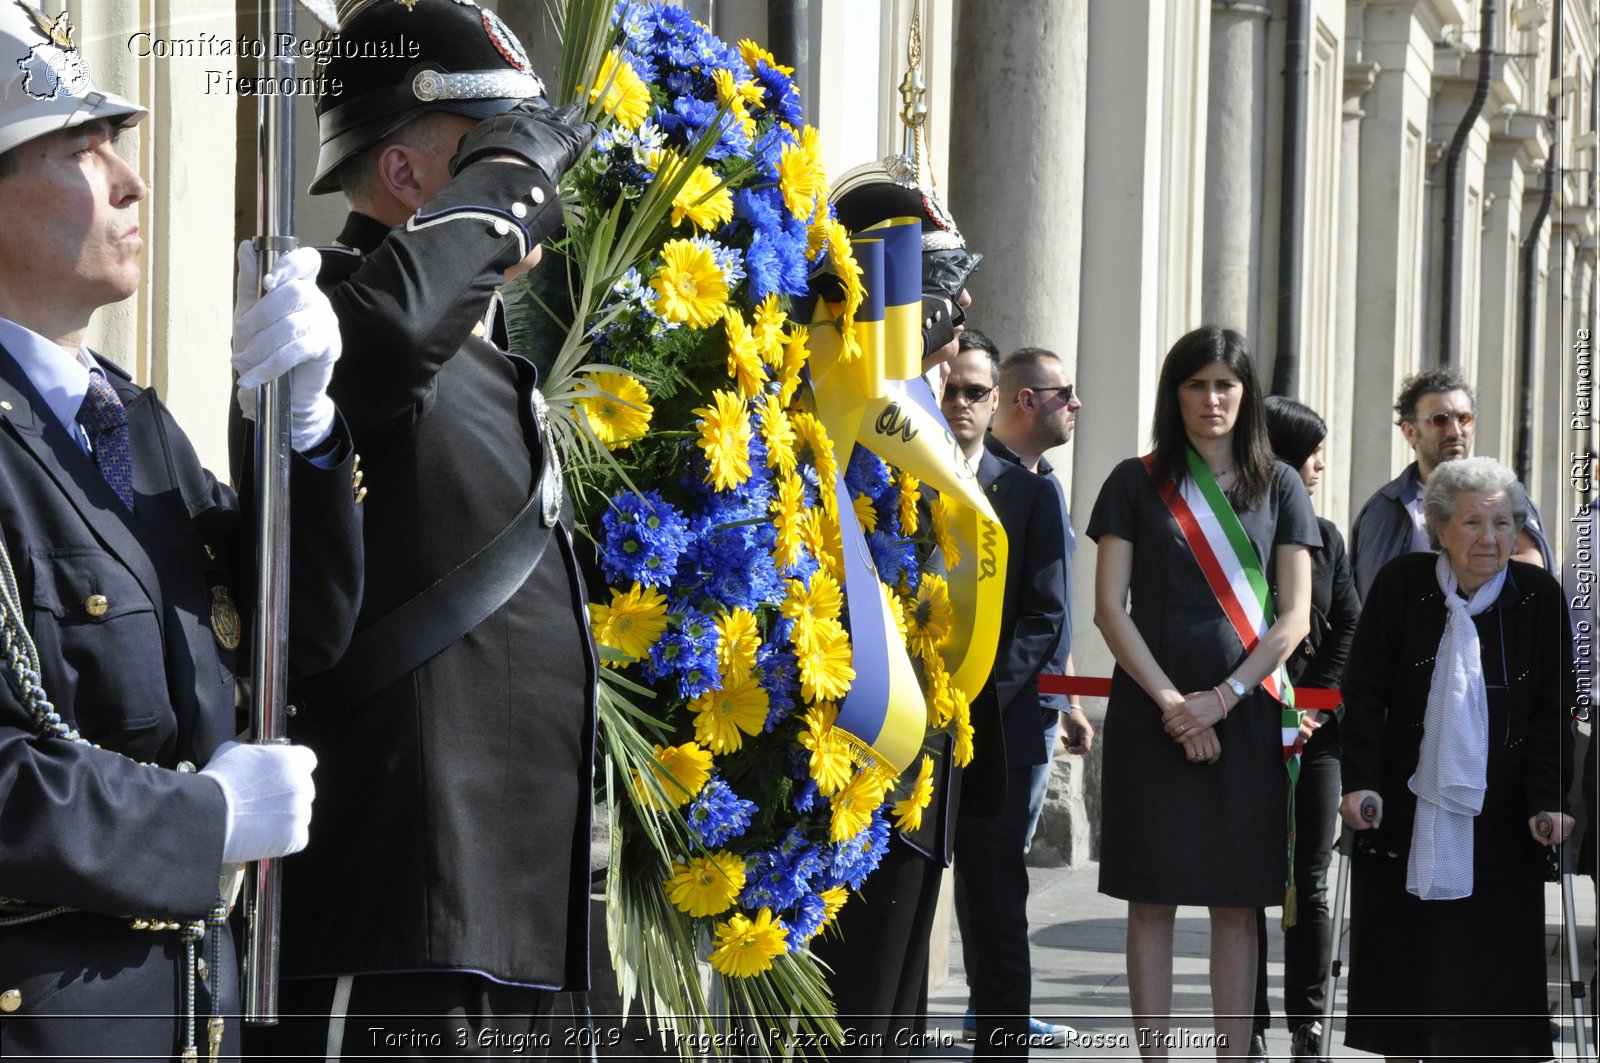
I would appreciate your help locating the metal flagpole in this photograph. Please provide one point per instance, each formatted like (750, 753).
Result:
(275, 187)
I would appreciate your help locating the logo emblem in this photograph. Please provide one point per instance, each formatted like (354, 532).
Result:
(505, 42)
(52, 68)
(225, 623)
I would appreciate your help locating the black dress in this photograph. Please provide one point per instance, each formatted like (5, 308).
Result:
(1462, 978)
(1176, 832)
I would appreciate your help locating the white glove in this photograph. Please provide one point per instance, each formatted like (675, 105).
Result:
(268, 790)
(292, 330)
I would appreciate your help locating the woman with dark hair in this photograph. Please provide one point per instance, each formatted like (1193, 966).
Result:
(1199, 534)
(1297, 433)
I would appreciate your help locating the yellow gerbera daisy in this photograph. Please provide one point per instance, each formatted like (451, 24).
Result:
(690, 287)
(633, 621)
(788, 510)
(619, 412)
(744, 360)
(738, 639)
(940, 695)
(767, 323)
(961, 751)
(816, 448)
(795, 355)
(842, 259)
(725, 437)
(682, 772)
(897, 610)
(802, 178)
(752, 53)
(778, 434)
(701, 200)
(908, 810)
(720, 715)
(746, 947)
(737, 97)
(942, 518)
(850, 810)
(931, 617)
(820, 533)
(833, 899)
(910, 495)
(825, 670)
(866, 514)
(706, 885)
(830, 753)
(628, 99)
(818, 600)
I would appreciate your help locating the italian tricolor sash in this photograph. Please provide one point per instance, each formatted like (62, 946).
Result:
(1235, 575)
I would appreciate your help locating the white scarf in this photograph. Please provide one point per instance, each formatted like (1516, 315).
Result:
(1452, 768)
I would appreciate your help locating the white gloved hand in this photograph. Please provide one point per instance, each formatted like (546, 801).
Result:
(292, 329)
(268, 790)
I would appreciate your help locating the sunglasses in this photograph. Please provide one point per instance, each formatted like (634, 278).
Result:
(972, 393)
(1439, 420)
(1065, 389)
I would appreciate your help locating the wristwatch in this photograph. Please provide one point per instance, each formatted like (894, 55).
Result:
(1238, 688)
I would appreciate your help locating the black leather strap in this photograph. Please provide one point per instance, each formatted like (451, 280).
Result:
(436, 616)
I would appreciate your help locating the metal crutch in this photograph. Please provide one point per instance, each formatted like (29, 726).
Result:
(1347, 844)
(1575, 984)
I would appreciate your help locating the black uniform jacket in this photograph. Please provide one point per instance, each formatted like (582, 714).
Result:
(453, 806)
(1032, 617)
(1527, 666)
(147, 675)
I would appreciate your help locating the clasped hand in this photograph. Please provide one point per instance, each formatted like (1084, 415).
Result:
(1191, 720)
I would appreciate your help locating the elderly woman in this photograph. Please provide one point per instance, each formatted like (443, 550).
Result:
(1455, 745)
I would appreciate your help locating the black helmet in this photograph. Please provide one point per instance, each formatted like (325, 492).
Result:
(878, 191)
(397, 59)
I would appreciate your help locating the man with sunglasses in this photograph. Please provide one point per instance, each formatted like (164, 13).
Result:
(1437, 413)
(1036, 413)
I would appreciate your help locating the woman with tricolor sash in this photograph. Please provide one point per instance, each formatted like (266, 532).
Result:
(1202, 591)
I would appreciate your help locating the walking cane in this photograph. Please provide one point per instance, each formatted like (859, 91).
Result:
(1575, 984)
(1347, 845)
(269, 664)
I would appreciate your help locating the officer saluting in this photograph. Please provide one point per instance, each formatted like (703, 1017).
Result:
(448, 879)
(127, 559)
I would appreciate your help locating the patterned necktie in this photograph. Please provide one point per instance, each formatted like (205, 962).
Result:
(106, 423)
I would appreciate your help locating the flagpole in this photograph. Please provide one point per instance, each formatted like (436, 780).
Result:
(275, 186)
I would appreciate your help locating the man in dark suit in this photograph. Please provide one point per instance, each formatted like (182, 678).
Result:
(122, 794)
(991, 876)
(449, 879)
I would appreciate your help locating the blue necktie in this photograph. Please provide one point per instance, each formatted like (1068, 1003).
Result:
(106, 423)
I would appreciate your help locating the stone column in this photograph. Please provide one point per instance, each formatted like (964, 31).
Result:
(1235, 140)
(1016, 178)
(173, 334)
(1517, 148)
(1017, 166)
(1337, 503)
(1391, 244)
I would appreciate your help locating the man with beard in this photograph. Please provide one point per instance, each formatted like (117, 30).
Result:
(1437, 413)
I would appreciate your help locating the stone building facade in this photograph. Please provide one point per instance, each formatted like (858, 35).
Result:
(1121, 162)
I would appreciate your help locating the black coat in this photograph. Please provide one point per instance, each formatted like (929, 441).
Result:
(1527, 665)
(453, 822)
(112, 829)
(1032, 617)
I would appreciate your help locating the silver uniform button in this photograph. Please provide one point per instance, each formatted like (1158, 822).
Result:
(520, 209)
(501, 226)
(537, 195)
